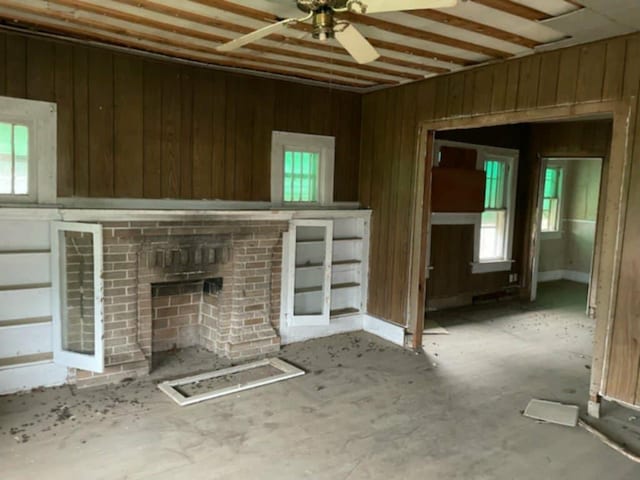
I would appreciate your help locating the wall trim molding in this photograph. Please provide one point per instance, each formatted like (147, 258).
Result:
(178, 212)
(383, 329)
(348, 323)
(572, 275)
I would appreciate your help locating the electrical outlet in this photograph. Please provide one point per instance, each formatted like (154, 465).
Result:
(513, 277)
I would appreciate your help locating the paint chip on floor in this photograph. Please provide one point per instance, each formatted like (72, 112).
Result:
(552, 412)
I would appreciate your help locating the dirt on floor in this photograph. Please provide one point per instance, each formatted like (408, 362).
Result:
(366, 409)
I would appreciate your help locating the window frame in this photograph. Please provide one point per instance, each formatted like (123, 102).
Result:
(557, 233)
(40, 118)
(324, 145)
(510, 158)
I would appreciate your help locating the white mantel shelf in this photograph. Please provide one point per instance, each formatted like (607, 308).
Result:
(169, 214)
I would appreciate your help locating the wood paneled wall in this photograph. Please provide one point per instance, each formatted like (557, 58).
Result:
(605, 70)
(134, 127)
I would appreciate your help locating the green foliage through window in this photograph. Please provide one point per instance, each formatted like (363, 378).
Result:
(494, 196)
(300, 182)
(14, 159)
(551, 199)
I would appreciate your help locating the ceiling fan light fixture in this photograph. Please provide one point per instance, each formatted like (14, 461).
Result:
(323, 24)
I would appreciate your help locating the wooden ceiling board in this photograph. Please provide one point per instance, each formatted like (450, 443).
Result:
(624, 12)
(552, 8)
(506, 21)
(64, 27)
(207, 38)
(413, 45)
(420, 23)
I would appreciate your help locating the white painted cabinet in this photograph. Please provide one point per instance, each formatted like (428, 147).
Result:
(325, 268)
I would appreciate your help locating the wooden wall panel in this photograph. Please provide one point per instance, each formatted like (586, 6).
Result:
(136, 127)
(623, 380)
(16, 66)
(64, 93)
(101, 142)
(602, 71)
(128, 128)
(3, 61)
(80, 132)
(546, 79)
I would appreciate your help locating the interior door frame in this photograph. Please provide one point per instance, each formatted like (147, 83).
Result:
(95, 362)
(623, 113)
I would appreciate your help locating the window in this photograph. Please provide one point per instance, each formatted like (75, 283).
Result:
(552, 192)
(495, 230)
(493, 222)
(301, 169)
(14, 159)
(300, 183)
(27, 151)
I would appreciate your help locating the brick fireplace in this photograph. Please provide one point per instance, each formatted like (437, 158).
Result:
(195, 283)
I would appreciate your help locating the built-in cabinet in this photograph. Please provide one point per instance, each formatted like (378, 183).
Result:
(325, 280)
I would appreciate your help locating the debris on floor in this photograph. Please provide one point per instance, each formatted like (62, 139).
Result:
(609, 442)
(552, 412)
(431, 327)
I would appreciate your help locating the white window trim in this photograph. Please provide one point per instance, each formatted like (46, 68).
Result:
(482, 153)
(41, 118)
(323, 144)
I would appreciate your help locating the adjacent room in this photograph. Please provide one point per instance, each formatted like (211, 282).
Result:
(328, 239)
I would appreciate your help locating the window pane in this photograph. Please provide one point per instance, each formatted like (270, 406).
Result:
(6, 158)
(300, 176)
(21, 165)
(551, 199)
(495, 184)
(492, 235)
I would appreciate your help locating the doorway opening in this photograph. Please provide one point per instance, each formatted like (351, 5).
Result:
(568, 203)
(505, 202)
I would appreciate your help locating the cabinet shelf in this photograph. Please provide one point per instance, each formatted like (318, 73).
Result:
(338, 239)
(340, 286)
(344, 311)
(320, 265)
(335, 286)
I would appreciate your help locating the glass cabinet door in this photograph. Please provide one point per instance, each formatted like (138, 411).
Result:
(78, 320)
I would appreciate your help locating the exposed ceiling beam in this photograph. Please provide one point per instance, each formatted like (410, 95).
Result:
(203, 35)
(476, 27)
(255, 64)
(230, 26)
(365, 20)
(421, 34)
(514, 8)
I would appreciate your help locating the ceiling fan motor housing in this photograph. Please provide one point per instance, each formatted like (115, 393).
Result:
(309, 6)
(323, 23)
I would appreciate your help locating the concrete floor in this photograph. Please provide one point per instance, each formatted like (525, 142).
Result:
(366, 409)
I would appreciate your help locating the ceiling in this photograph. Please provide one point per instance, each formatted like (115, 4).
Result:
(413, 45)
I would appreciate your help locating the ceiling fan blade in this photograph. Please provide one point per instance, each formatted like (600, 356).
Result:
(379, 6)
(357, 46)
(257, 34)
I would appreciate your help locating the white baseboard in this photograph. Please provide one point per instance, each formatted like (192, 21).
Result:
(554, 275)
(580, 277)
(388, 331)
(550, 276)
(349, 323)
(25, 377)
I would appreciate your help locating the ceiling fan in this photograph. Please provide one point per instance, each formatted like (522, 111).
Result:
(326, 25)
